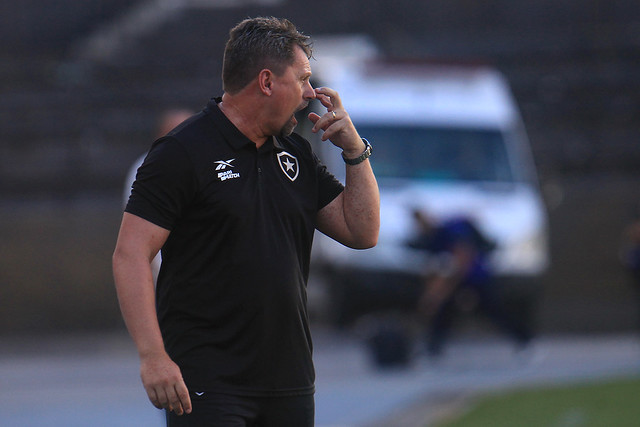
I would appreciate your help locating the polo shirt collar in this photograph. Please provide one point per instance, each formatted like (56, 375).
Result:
(231, 133)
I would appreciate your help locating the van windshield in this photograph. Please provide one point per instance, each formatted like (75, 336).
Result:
(446, 154)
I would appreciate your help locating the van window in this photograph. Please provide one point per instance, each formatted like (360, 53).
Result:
(438, 153)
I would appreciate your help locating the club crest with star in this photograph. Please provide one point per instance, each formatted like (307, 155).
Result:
(289, 165)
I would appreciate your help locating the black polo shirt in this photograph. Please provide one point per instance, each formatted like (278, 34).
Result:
(231, 294)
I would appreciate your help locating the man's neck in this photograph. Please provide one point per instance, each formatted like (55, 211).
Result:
(242, 113)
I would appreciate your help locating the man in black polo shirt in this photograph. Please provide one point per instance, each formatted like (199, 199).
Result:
(232, 197)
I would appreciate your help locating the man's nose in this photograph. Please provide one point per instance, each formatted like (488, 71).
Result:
(309, 93)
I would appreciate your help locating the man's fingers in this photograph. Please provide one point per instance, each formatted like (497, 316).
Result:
(162, 399)
(173, 398)
(179, 399)
(324, 100)
(319, 122)
(183, 395)
(328, 97)
(153, 398)
(313, 117)
(164, 384)
(174, 403)
(323, 122)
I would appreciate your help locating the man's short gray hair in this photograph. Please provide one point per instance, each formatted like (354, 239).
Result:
(258, 43)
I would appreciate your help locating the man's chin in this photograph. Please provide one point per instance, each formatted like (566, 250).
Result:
(289, 127)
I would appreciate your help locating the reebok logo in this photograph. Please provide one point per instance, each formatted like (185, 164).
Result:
(223, 164)
(226, 174)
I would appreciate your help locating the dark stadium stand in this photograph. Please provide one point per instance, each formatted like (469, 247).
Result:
(73, 119)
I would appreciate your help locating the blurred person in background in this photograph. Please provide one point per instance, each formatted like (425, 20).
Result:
(462, 282)
(233, 197)
(167, 121)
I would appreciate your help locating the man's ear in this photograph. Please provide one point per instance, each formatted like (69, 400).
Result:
(265, 81)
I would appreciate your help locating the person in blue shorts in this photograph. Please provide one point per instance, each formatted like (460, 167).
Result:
(462, 280)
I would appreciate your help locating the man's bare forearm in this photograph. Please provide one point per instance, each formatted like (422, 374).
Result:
(136, 296)
(362, 204)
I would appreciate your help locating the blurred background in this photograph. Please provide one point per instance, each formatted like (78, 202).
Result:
(83, 84)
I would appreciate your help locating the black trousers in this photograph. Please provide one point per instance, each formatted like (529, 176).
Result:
(222, 410)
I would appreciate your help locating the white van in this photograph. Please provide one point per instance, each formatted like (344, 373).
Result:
(447, 140)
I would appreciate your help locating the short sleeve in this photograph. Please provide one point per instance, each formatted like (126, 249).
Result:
(329, 186)
(165, 184)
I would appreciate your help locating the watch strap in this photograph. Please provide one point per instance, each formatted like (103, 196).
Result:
(368, 150)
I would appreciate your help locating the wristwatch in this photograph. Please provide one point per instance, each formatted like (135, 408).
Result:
(362, 157)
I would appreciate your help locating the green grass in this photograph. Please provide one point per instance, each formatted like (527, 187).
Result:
(607, 404)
